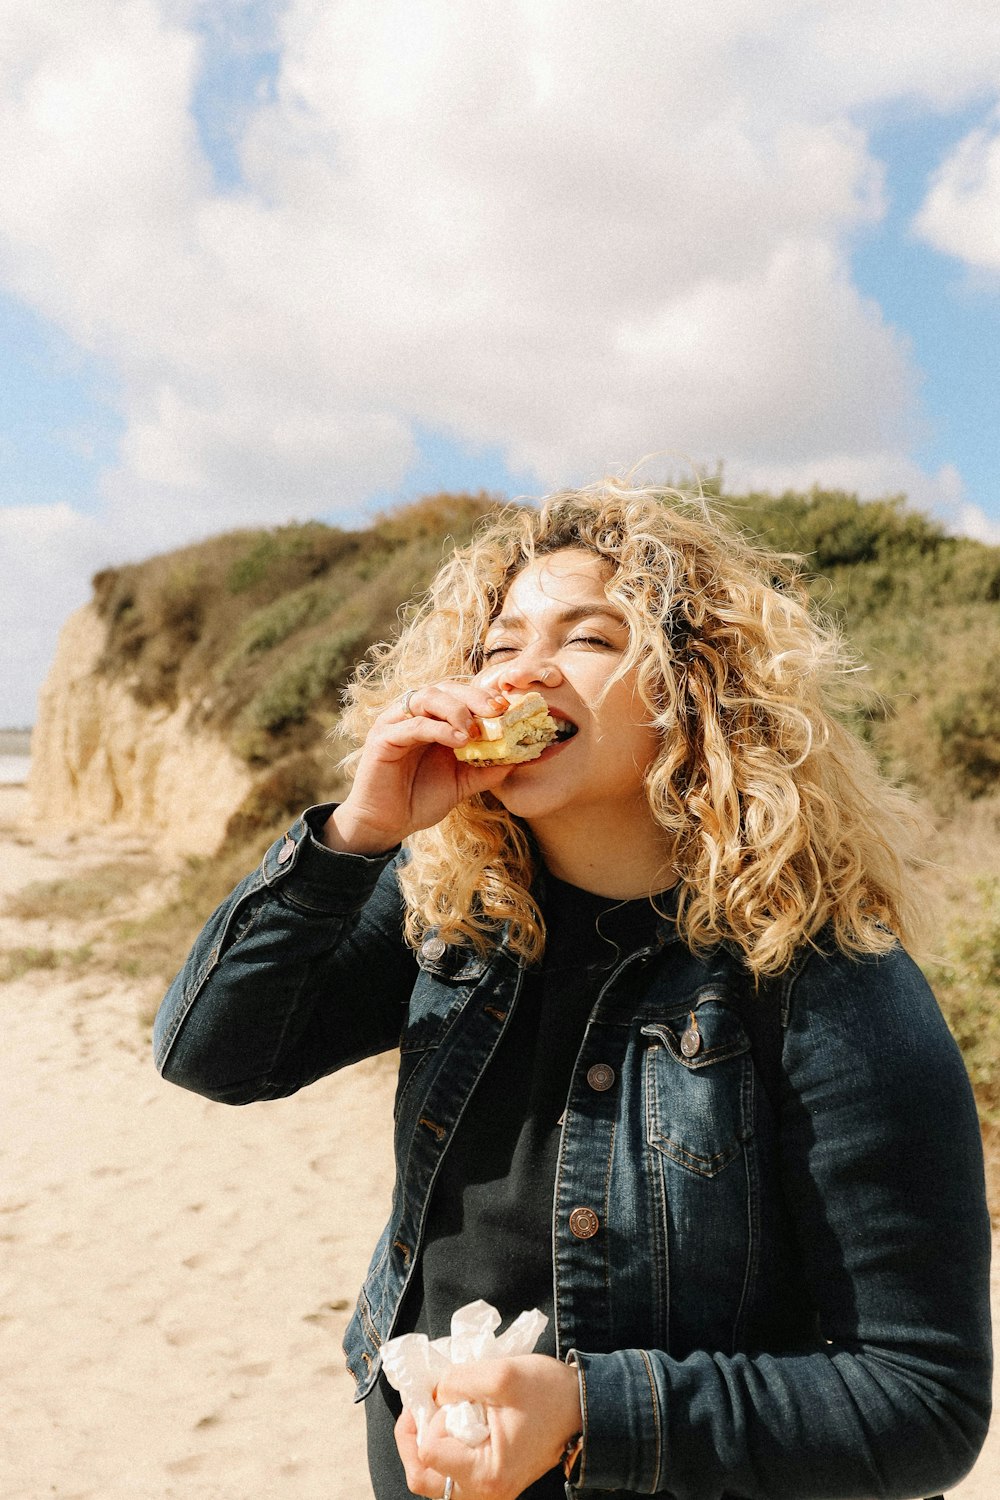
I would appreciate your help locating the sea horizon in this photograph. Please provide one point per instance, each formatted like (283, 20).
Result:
(15, 756)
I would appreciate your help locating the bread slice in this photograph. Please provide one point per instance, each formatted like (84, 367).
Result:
(520, 733)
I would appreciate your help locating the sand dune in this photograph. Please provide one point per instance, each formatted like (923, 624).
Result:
(177, 1274)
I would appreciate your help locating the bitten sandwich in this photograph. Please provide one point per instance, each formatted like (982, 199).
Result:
(521, 733)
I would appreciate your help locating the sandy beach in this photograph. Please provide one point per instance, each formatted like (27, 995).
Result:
(177, 1274)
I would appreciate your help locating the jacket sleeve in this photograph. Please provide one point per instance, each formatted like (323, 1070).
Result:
(301, 971)
(882, 1172)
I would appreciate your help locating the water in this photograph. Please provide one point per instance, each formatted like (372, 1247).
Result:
(14, 769)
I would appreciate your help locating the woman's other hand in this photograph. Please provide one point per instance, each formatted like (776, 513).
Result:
(532, 1408)
(408, 777)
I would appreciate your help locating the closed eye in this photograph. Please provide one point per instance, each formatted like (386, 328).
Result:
(599, 642)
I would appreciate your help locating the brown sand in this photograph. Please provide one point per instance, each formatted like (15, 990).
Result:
(177, 1275)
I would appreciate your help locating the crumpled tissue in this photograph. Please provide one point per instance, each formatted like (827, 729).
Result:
(414, 1364)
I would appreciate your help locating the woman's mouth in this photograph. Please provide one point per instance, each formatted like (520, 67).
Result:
(565, 731)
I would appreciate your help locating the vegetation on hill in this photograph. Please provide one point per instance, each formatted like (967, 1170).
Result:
(259, 631)
(922, 610)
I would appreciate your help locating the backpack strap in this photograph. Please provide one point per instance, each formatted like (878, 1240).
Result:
(761, 1009)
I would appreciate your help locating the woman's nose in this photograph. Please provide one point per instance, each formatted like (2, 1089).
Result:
(527, 671)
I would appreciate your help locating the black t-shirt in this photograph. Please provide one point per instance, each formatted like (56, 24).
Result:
(489, 1222)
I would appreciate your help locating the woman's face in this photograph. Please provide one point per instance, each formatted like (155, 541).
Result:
(559, 635)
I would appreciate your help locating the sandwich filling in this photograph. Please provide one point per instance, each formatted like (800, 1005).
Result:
(521, 733)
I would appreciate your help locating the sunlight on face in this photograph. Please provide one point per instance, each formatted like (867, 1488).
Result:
(558, 634)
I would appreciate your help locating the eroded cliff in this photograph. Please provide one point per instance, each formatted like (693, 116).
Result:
(100, 757)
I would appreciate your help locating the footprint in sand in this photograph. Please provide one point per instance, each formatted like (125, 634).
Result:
(185, 1465)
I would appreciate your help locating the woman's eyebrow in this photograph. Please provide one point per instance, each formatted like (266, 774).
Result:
(568, 616)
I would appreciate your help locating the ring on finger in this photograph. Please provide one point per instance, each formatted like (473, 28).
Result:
(449, 1485)
(408, 713)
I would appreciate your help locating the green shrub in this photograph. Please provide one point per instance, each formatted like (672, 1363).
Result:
(230, 625)
(181, 603)
(287, 556)
(436, 517)
(968, 728)
(275, 622)
(312, 674)
(279, 796)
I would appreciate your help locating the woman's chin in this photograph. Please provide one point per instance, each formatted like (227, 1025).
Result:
(524, 799)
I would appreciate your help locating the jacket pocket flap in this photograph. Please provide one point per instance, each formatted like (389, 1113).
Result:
(707, 1032)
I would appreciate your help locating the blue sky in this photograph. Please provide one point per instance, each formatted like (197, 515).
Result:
(950, 314)
(263, 261)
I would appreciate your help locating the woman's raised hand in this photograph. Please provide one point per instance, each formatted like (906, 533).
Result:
(532, 1410)
(408, 777)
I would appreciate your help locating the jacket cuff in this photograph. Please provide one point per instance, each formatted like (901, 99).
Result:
(624, 1429)
(316, 879)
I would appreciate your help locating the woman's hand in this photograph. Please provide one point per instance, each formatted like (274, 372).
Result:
(408, 777)
(532, 1408)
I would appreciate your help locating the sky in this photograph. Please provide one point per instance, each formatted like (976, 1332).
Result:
(262, 260)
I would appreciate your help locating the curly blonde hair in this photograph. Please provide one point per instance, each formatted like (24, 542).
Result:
(779, 821)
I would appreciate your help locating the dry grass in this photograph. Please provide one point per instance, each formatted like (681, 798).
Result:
(16, 962)
(83, 897)
(154, 945)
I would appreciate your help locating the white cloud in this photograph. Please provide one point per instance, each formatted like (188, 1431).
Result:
(961, 213)
(576, 232)
(49, 552)
(514, 224)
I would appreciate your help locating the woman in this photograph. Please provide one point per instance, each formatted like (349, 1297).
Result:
(666, 1071)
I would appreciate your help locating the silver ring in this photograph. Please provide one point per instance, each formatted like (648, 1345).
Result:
(449, 1485)
(404, 704)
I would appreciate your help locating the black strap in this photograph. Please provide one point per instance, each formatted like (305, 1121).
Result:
(759, 1008)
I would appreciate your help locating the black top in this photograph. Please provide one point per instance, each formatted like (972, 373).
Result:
(489, 1221)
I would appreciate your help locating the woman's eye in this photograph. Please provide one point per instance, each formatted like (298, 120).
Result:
(598, 642)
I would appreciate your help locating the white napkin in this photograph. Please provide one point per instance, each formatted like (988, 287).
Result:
(414, 1364)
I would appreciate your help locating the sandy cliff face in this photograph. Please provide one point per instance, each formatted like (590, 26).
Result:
(99, 757)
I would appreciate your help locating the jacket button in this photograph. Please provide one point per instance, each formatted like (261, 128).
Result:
(584, 1223)
(286, 851)
(600, 1077)
(432, 948)
(691, 1041)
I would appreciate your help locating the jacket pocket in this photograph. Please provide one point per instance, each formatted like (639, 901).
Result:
(698, 1081)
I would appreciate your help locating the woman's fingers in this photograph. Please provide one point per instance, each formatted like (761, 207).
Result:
(532, 1406)
(420, 1479)
(457, 703)
(407, 777)
(410, 733)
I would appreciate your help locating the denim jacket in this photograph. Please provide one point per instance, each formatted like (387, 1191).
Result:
(777, 1293)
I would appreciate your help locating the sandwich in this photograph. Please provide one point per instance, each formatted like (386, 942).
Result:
(520, 733)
